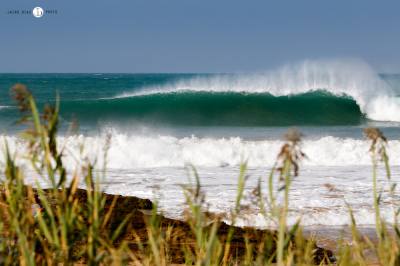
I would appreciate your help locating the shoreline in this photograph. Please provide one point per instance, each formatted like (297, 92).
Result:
(327, 238)
(141, 213)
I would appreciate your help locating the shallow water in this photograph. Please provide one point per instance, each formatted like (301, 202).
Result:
(319, 195)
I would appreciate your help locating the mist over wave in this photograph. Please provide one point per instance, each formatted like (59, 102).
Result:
(345, 77)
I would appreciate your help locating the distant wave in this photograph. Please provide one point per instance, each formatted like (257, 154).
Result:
(351, 77)
(138, 151)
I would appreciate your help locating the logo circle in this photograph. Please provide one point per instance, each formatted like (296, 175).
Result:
(38, 12)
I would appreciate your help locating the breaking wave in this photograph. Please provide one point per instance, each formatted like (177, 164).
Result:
(138, 151)
(344, 79)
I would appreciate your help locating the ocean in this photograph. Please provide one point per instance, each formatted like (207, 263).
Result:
(161, 123)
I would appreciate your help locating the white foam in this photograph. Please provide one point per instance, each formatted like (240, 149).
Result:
(128, 151)
(310, 197)
(139, 165)
(138, 151)
(350, 77)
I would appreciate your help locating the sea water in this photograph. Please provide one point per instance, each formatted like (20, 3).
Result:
(161, 123)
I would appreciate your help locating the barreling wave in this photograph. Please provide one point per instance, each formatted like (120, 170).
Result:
(223, 108)
(341, 78)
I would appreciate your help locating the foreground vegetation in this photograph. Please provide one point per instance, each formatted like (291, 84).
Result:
(65, 224)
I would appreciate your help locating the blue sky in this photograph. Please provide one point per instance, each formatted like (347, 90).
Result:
(196, 35)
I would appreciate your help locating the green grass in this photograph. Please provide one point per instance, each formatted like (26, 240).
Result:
(55, 226)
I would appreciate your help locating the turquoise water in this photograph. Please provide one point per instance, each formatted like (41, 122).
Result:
(177, 103)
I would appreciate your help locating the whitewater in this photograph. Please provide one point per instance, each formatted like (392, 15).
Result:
(336, 171)
(133, 151)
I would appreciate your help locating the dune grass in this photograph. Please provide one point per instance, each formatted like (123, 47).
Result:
(58, 226)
